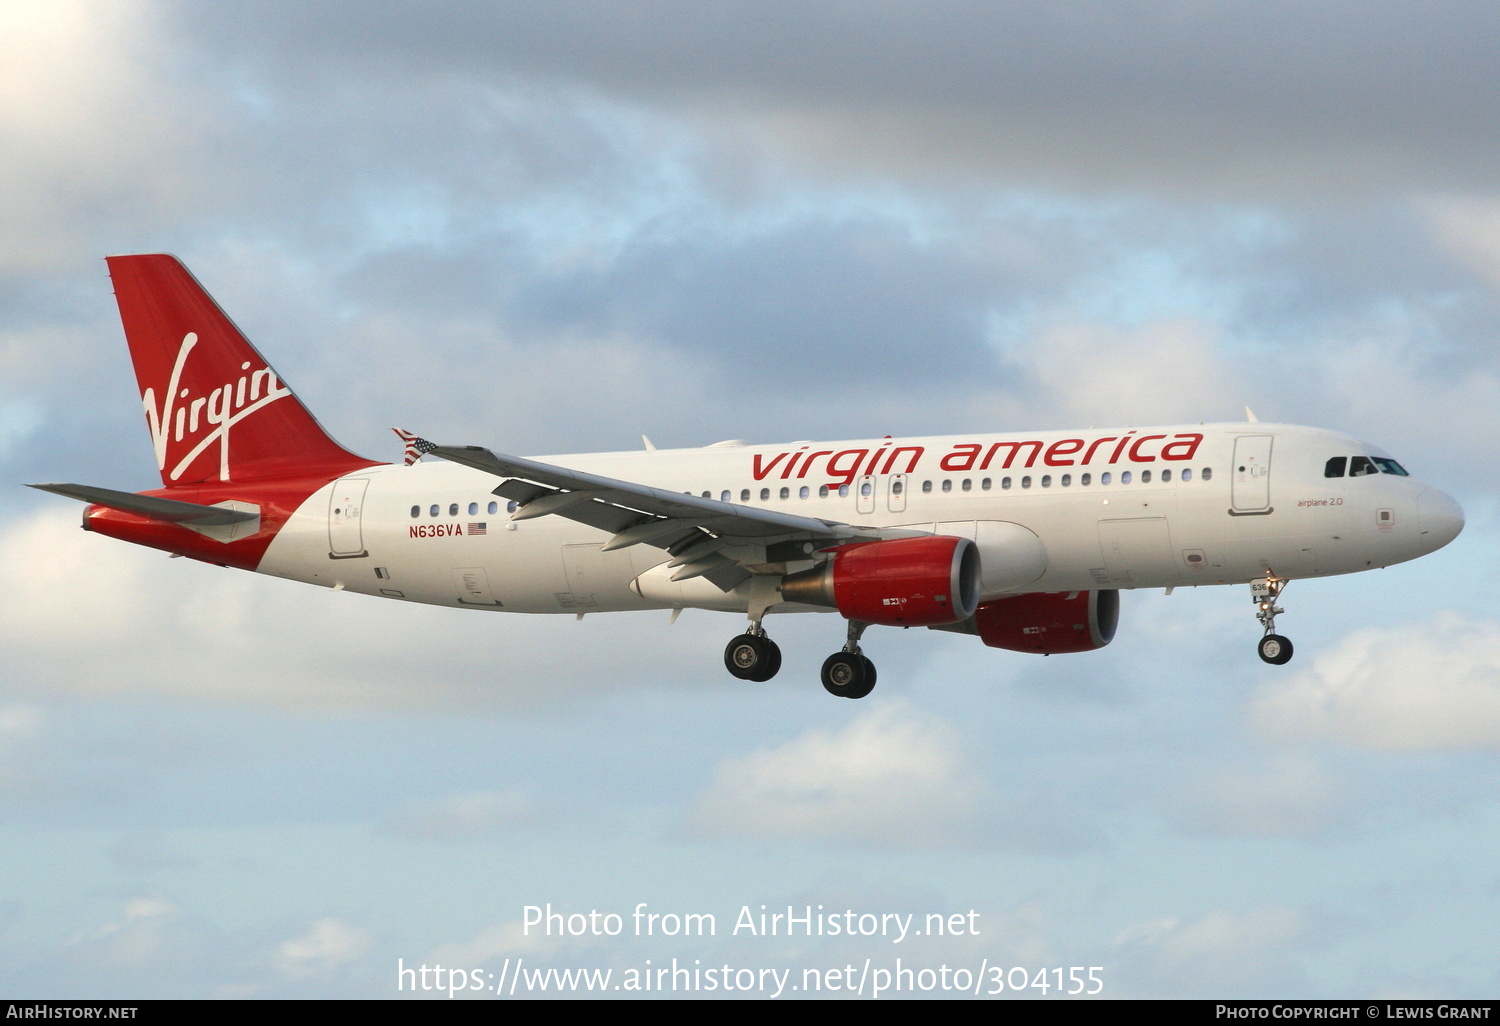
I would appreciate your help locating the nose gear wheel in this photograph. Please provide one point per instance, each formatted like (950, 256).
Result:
(1264, 591)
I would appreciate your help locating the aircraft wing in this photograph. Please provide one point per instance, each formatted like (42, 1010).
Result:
(706, 537)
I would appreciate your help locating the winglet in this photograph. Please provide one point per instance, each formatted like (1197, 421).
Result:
(416, 446)
(1250, 416)
(649, 446)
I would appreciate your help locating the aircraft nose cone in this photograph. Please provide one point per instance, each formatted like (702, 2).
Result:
(1441, 518)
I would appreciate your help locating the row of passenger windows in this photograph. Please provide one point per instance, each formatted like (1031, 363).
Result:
(1362, 466)
(898, 486)
(436, 509)
(967, 484)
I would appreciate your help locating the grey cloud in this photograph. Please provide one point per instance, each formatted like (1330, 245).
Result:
(1206, 96)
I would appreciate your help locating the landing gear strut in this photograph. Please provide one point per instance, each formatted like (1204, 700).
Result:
(1264, 592)
(753, 656)
(849, 674)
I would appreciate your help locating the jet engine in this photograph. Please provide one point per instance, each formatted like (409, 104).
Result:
(1078, 621)
(904, 582)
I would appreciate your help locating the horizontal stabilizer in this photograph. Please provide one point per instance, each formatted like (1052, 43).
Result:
(171, 510)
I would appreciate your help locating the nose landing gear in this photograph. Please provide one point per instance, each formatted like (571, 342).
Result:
(1264, 591)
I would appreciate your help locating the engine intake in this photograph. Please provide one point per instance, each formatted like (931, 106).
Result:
(904, 582)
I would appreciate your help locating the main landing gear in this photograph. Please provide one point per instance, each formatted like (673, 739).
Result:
(847, 674)
(753, 656)
(1264, 591)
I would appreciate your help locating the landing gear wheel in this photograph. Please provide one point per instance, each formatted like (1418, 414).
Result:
(752, 657)
(1275, 649)
(848, 675)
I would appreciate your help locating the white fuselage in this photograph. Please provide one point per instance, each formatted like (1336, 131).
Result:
(1139, 508)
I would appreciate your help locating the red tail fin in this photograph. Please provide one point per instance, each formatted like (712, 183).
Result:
(216, 410)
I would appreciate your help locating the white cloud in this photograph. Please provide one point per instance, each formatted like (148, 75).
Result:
(1292, 796)
(327, 945)
(463, 817)
(1468, 227)
(1220, 953)
(88, 614)
(892, 776)
(151, 931)
(1162, 372)
(494, 943)
(1433, 685)
(88, 123)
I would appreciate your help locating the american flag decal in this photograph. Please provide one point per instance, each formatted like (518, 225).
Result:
(478, 528)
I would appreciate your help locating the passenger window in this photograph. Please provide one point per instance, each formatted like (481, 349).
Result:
(1125, 477)
(1335, 467)
(843, 491)
(896, 487)
(864, 489)
(1005, 484)
(1067, 479)
(1085, 479)
(473, 509)
(1105, 478)
(1026, 481)
(967, 485)
(453, 509)
(510, 507)
(1208, 473)
(494, 507)
(1046, 480)
(786, 493)
(434, 510)
(1187, 474)
(744, 495)
(416, 511)
(984, 485)
(1361, 466)
(765, 494)
(948, 486)
(802, 492)
(724, 495)
(1145, 477)
(822, 491)
(1166, 475)
(926, 486)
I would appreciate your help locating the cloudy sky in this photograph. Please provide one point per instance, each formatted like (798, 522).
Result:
(552, 227)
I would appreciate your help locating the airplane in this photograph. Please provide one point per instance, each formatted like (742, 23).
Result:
(1023, 540)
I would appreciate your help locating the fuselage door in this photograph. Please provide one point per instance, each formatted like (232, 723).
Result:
(345, 507)
(1252, 474)
(895, 495)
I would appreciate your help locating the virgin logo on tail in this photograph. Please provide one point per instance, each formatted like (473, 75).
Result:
(205, 419)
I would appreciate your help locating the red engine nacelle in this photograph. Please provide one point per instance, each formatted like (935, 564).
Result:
(905, 582)
(1078, 621)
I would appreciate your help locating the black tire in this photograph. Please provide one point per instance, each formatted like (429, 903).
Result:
(848, 676)
(1275, 649)
(773, 666)
(752, 657)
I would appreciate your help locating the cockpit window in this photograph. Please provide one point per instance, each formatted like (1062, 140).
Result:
(1335, 467)
(1361, 466)
(1389, 466)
